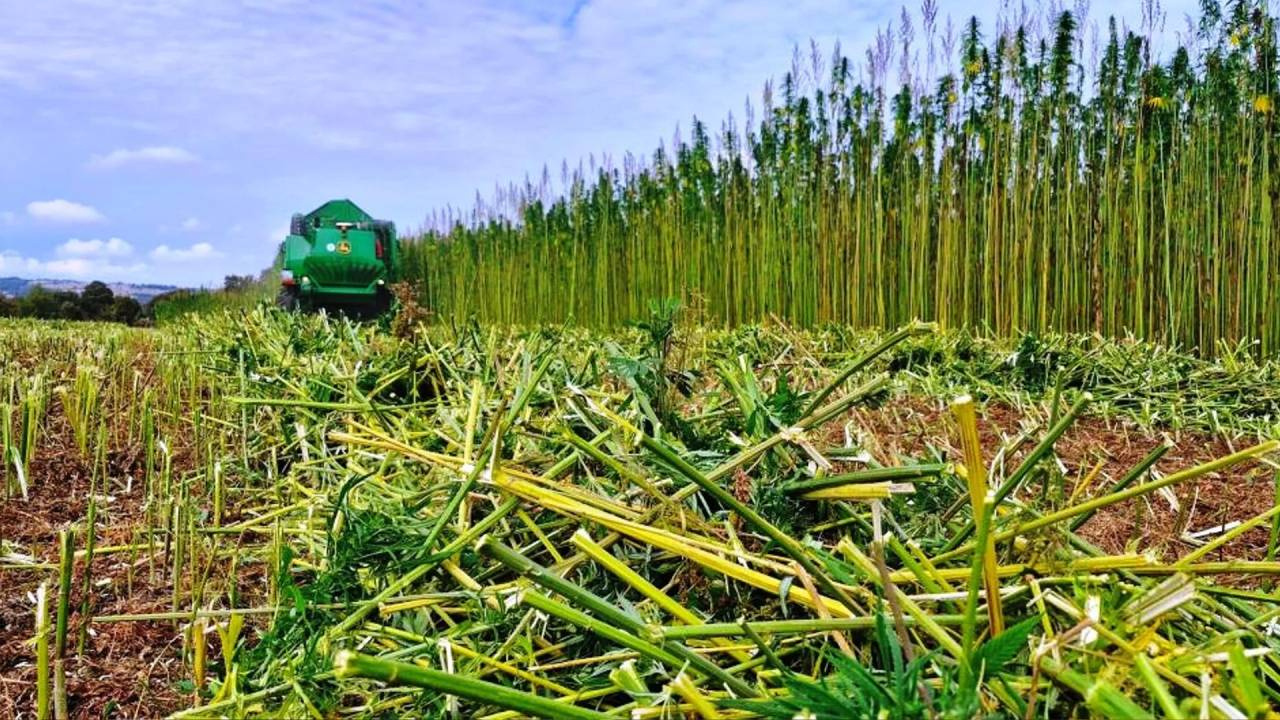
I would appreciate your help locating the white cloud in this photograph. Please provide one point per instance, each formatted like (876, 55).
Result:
(111, 247)
(64, 211)
(89, 268)
(12, 263)
(160, 154)
(76, 268)
(198, 251)
(191, 224)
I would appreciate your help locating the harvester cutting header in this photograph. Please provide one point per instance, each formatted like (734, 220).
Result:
(338, 257)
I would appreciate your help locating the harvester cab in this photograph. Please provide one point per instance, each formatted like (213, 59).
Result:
(338, 257)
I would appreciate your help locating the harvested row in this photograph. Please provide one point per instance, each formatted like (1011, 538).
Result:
(96, 435)
(672, 522)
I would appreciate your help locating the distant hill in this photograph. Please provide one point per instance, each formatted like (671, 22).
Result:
(17, 287)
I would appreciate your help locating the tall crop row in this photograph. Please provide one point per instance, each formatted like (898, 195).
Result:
(1048, 173)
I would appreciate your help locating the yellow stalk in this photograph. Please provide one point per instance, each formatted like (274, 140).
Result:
(922, 618)
(662, 712)
(464, 651)
(1132, 561)
(700, 704)
(473, 411)
(1086, 482)
(860, 491)
(582, 540)
(444, 615)
(1038, 598)
(392, 608)
(594, 660)
(928, 565)
(1230, 535)
(537, 532)
(680, 546)
(554, 500)
(198, 654)
(578, 697)
(468, 582)
(42, 653)
(468, 450)
(723, 566)
(976, 473)
(809, 587)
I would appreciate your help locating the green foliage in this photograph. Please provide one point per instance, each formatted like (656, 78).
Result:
(45, 304)
(994, 656)
(653, 375)
(295, 633)
(891, 687)
(237, 283)
(95, 302)
(888, 690)
(124, 309)
(178, 304)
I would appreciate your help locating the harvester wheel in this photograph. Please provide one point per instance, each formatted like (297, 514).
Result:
(287, 299)
(384, 301)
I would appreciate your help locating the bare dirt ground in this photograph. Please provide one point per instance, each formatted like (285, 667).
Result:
(135, 669)
(1106, 449)
(126, 670)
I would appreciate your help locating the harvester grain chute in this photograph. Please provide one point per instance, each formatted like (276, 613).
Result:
(338, 257)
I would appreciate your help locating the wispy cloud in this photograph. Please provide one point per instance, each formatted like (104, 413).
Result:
(538, 74)
(64, 211)
(198, 251)
(158, 155)
(191, 224)
(111, 247)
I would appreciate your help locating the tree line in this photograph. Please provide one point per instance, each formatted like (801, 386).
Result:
(96, 301)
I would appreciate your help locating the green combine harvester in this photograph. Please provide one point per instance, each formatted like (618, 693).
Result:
(338, 257)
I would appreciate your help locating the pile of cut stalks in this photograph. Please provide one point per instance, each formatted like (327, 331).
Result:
(479, 522)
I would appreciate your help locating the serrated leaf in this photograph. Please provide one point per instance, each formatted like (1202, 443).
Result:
(997, 652)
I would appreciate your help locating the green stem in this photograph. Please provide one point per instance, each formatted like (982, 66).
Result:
(1129, 478)
(913, 328)
(490, 547)
(904, 472)
(782, 627)
(350, 664)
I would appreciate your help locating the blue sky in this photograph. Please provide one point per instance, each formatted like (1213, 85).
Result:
(171, 141)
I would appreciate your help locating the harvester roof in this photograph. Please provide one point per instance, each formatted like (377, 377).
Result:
(339, 211)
